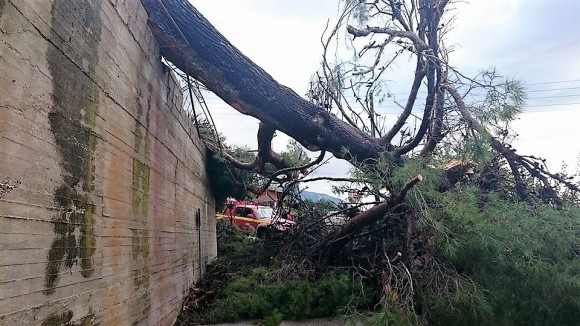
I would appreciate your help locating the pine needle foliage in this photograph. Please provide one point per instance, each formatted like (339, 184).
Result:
(515, 263)
(524, 258)
(481, 256)
(253, 282)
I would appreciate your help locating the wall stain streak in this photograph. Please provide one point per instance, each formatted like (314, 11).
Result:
(141, 174)
(2, 5)
(140, 238)
(72, 120)
(58, 319)
(65, 319)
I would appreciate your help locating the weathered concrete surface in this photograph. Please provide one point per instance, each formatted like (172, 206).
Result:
(102, 229)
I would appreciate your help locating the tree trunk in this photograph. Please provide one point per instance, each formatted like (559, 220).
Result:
(188, 40)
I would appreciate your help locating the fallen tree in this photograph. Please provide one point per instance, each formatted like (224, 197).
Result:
(464, 229)
(190, 42)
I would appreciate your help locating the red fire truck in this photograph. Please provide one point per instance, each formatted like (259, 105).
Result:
(262, 219)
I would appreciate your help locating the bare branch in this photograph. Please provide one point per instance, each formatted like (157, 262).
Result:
(419, 75)
(302, 168)
(419, 44)
(510, 155)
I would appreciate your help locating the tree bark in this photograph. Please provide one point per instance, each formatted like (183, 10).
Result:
(188, 40)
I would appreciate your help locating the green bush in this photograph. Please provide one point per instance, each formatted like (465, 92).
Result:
(253, 297)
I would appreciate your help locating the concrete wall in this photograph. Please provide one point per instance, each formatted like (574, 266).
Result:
(102, 228)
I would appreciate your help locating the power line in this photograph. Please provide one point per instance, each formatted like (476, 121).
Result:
(555, 82)
(551, 89)
(527, 91)
(219, 101)
(557, 104)
(395, 106)
(418, 105)
(553, 96)
(530, 91)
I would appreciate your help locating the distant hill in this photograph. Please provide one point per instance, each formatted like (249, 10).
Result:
(314, 196)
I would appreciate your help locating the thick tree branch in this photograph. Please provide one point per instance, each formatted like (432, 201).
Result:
(435, 134)
(520, 186)
(513, 159)
(441, 8)
(265, 154)
(188, 40)
(396, 10)
(237, 163)
(304, 168)
(427, 111)
(508, 154)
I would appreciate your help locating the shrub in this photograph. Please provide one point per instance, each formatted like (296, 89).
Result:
(253, 297)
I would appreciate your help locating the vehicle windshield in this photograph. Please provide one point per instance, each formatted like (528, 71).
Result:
(264, 212)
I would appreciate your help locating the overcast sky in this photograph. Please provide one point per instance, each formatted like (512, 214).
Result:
(536, 41)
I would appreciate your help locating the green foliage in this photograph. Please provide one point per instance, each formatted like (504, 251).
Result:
(323, 206)
(240, 250)
(422, 166)
(374, 174)
(467, 304)
(497, 261)
(247, 277)
(254, 297)
(225, 181)
(388, 317)
(360, 11)
(500, 101)
(475, 149)
(295, 155)
(523, 260)
(273, 319)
